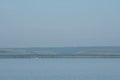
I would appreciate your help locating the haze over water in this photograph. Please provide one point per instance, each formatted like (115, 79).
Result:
(53, 23)
(59, 23)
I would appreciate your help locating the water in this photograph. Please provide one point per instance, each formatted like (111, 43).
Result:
(60, 69)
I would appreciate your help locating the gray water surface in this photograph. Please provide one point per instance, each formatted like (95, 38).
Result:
(60, 69)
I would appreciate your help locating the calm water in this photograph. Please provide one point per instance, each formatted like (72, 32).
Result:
(59, 69)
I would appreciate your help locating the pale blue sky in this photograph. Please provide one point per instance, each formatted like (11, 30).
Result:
(59, 23)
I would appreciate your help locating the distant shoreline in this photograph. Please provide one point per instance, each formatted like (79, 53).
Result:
(64, 52)
(2, 57)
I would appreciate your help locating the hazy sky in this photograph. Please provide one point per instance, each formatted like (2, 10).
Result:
(59, 23)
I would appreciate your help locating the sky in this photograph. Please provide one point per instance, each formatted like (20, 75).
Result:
(59, 23)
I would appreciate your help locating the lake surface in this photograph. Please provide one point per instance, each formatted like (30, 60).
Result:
(60, 69)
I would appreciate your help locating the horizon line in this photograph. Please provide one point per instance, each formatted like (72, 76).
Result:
(56, 47)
